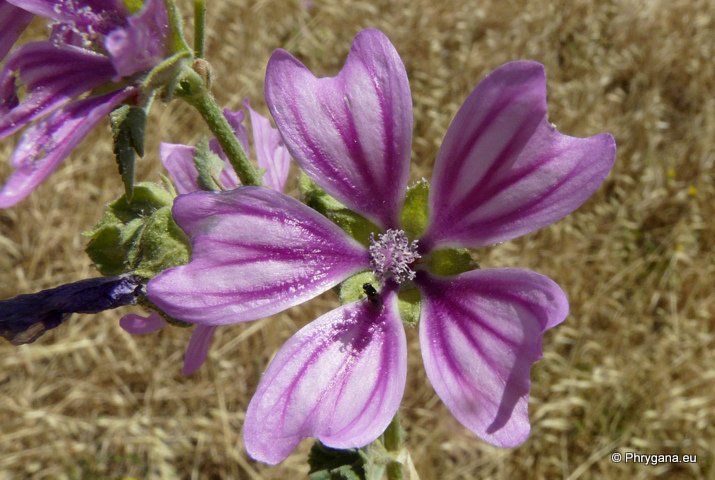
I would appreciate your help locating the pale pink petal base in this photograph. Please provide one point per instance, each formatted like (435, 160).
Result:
(340, 379)
(480, 333)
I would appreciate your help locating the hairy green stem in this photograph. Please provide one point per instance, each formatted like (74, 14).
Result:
(199, 27)
(195, 92)
(178, 42)
(392, 440)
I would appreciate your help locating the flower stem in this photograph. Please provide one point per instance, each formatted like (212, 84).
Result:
(178, 42)
(195, 92)
(199, 27)
(392, 439)
(394, 435)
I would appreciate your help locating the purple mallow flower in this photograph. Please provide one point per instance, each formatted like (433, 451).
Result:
(178, 159)
(88, 66)
(502, 171)
(25, 317)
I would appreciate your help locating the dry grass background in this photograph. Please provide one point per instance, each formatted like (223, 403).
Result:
(632, 368)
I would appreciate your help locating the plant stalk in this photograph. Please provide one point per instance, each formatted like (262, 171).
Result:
(199, 28)
(195, 92)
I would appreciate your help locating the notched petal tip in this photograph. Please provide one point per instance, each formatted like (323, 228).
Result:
(350, 133)
(503, 170)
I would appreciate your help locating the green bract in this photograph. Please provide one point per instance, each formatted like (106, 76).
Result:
(415, 213)
(208, 165)
(450, 261)
(353, 224)
(138, 235)
(128, 125)
(134, 5)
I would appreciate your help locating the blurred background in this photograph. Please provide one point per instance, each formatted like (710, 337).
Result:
(631, 369)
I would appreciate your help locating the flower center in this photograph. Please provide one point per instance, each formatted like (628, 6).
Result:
(88, 28)
(392, 255)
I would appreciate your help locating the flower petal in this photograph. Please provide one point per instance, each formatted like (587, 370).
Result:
(179, 162)
(142, 44)
(198, 348)
(52, 76)
(351, 133)
(271, 154)
(179, 159)
(340, 378)
(13, 21)
(480, 332)
(101, 14)
(140, 325)
(503, 170)
(255, 252)
(44, 145)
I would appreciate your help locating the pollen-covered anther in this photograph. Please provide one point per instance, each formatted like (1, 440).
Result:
(392, 255)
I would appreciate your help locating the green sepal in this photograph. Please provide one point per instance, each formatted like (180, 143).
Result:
(133, 5)
(451, 261)
(351, 290)
(128, 126)
(332, 464)
(208, 165)
(146, 303)
(138, 235)
(415, 213)
(167, 74)
(367, 463)
(375, 460)
(357, 226)
(408, 304)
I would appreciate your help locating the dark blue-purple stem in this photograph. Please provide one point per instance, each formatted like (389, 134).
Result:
(23, 319)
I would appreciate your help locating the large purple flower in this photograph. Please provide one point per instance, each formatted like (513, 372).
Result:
(502, 171)
(88, 66)
(178, 160)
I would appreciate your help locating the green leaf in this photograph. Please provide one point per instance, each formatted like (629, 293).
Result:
(138, 235)
(128, 126)
(357, 226)
(415, 213)
(451, 261)
(209, 165)
(332, 464)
